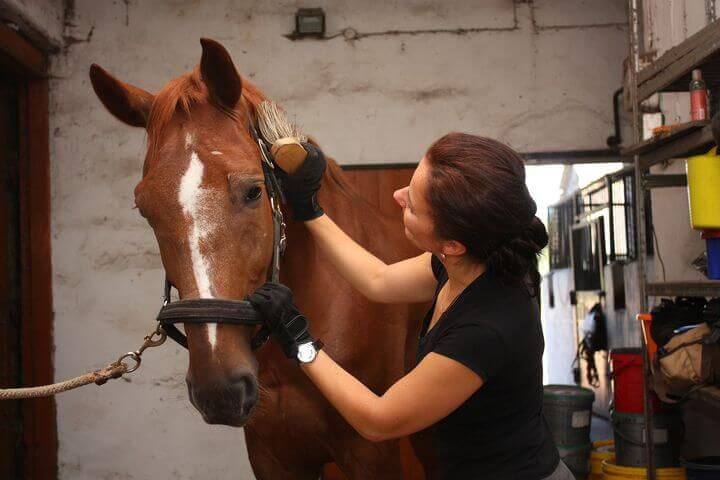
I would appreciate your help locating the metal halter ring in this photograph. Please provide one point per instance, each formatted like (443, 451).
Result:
(132, 355)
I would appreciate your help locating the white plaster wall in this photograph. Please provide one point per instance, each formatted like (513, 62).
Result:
(539, 75)
(558, 328)
(669, 22)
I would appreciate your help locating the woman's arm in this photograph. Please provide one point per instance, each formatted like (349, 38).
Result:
(407, 281)
(431, 391)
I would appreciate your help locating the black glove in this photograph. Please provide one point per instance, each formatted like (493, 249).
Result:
(287, 325)
(301, 187)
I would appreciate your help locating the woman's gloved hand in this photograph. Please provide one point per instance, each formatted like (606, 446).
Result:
(287, 325)
(301, 187)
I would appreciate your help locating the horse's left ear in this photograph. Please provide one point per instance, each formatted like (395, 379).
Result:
(219, 74)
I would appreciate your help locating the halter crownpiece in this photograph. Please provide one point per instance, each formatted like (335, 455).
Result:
(233, 312)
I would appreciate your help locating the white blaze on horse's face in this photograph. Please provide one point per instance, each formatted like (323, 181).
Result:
(195, 202)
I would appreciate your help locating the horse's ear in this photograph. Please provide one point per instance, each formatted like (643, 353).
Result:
(127, 103)
(219, 74)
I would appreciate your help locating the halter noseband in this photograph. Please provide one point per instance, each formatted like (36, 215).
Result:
(234, 312)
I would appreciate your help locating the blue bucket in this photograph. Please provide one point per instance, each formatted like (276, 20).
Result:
(712, 245)
(705, 468)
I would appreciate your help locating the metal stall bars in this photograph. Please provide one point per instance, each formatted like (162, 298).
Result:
(668, 73)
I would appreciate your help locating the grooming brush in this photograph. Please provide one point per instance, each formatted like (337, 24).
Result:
(284, 136)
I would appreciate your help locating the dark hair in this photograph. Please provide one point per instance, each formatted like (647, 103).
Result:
(478, 197)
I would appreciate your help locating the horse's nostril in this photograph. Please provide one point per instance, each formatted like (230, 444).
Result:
(246, 386)
(251, 394)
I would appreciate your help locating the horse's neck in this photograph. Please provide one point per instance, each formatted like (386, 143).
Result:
(360, 220)
(335, 308)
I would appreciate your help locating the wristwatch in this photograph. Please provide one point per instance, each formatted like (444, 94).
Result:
(308, 351)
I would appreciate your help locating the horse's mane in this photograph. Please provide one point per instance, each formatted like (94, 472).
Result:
(186, 90)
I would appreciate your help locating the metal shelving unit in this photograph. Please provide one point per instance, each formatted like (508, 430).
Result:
(684, 141)
(684, 289)
(670, 72)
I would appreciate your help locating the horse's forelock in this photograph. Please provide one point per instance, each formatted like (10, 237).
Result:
(182, 93)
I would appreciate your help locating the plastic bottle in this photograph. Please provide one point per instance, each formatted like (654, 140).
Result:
(698, 97)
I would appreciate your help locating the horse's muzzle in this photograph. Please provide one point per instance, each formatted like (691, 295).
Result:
(225, 403)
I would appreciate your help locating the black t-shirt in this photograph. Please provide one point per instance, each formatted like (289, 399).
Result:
(499, 432)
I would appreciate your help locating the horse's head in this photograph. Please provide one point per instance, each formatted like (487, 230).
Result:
(203, 193)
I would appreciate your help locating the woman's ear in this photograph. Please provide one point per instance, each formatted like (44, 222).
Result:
(452, 248)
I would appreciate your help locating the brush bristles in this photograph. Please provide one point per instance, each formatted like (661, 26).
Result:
(274, 124)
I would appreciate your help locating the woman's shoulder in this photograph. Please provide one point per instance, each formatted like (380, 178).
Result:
(505, 308)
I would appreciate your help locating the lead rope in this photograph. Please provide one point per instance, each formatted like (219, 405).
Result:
(99, 377)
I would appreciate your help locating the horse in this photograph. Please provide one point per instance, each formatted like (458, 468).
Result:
(203, 193)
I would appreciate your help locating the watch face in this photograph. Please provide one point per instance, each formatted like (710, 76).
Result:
(306, 353)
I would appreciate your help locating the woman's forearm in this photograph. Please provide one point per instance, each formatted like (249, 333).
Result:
(358, 266)
(356, 403)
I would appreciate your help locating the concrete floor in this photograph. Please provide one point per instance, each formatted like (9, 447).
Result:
(600, 429)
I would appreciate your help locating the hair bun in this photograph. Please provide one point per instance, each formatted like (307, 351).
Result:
(537, 234)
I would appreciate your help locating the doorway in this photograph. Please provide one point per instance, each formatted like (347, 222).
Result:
(28, 429)
(11, 424)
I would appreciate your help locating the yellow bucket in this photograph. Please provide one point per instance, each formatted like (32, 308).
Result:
(616, 472)
(703, 174)
(602, 450)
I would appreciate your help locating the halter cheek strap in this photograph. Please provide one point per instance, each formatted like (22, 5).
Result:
(234, 312)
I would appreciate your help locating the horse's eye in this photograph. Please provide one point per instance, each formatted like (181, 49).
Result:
(253, 194)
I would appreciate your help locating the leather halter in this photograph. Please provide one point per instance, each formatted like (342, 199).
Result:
(234, 312)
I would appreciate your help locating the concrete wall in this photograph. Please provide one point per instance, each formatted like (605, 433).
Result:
(539, 75)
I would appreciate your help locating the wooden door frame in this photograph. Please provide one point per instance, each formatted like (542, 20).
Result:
(40, 461)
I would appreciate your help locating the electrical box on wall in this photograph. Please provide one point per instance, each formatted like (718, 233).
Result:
(309, 22)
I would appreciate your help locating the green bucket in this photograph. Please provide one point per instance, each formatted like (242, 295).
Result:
(577, 458)
(630, 439)
(568, 411)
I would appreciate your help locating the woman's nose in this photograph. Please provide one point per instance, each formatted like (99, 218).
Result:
(400, 197)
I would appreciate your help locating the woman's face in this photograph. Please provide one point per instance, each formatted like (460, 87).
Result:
(417, 217)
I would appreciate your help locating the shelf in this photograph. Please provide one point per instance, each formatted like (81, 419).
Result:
(706, 401)
(671, 71)
(650, 181)
(708, 288)
(689, 139)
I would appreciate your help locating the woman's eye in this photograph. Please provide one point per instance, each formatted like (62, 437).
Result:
(253, 194)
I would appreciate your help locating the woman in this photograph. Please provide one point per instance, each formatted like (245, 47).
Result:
(477, 386)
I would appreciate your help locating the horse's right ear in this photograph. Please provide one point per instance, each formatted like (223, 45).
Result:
(126, 102)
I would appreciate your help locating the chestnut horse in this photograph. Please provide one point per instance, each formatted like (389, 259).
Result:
(202, 192)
